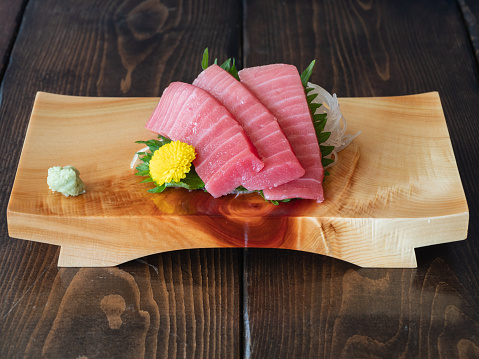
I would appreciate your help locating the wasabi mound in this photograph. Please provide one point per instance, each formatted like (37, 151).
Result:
(65, 180)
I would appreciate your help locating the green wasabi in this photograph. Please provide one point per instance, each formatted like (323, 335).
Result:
(65, 180)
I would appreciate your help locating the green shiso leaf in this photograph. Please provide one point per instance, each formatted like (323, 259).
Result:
(143, 169)
(306, 74)
(319, 120)
(226, 65)
(323, 137)
(326, 161)
(310, 98)
(191, 181)
(154, 145)
(205, 61)
(314, 106)
(326, 150)
(229, 65)
(157, 189)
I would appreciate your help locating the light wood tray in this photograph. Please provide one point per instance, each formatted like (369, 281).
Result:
(395, 188)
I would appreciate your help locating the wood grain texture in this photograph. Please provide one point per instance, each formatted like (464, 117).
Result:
(378, 207)
(294, 304)
(308, 306)
(112, 48)
(157, 307)
(10, 16)
(330, 309)
(471, 22)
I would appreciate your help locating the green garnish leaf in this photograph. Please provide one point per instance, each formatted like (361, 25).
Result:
(326, 150)
(314, 106)
(319, 120)
(323, 137)
(233, 71)
(158, 189)
(326, 161)
(143, 169)
(226, 65)
(191, 181)
(307, 74)
(319, 123)
(310, 98)
(229, 65)
(205, 61)
(154, 145)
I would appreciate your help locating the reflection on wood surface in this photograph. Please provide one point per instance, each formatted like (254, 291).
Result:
(329, 306)
(144, 309)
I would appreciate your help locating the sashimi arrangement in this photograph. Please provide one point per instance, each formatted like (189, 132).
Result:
(261, 129)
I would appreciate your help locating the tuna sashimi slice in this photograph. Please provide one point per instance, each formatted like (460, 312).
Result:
(191, 115)
(259, 124)
(280, 89)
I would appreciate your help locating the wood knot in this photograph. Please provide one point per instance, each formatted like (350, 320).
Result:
(113, 306)
(147, 19)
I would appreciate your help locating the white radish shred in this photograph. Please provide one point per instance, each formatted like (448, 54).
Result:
(136, 157)
(336, 123)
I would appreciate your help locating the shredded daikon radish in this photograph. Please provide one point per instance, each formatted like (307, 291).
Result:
(136, 157)
(336, 123)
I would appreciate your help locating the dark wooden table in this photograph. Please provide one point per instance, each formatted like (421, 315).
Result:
(230, 303)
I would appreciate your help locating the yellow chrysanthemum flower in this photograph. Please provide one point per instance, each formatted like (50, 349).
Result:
(171, 162)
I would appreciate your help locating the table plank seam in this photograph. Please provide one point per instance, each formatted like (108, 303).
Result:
(13, 40)
(472, 26)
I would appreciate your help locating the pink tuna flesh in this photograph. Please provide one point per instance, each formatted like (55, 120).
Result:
(280, 89)
(225, 157)
(259, 124)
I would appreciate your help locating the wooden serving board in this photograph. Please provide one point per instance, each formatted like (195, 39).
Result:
(395, 188)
